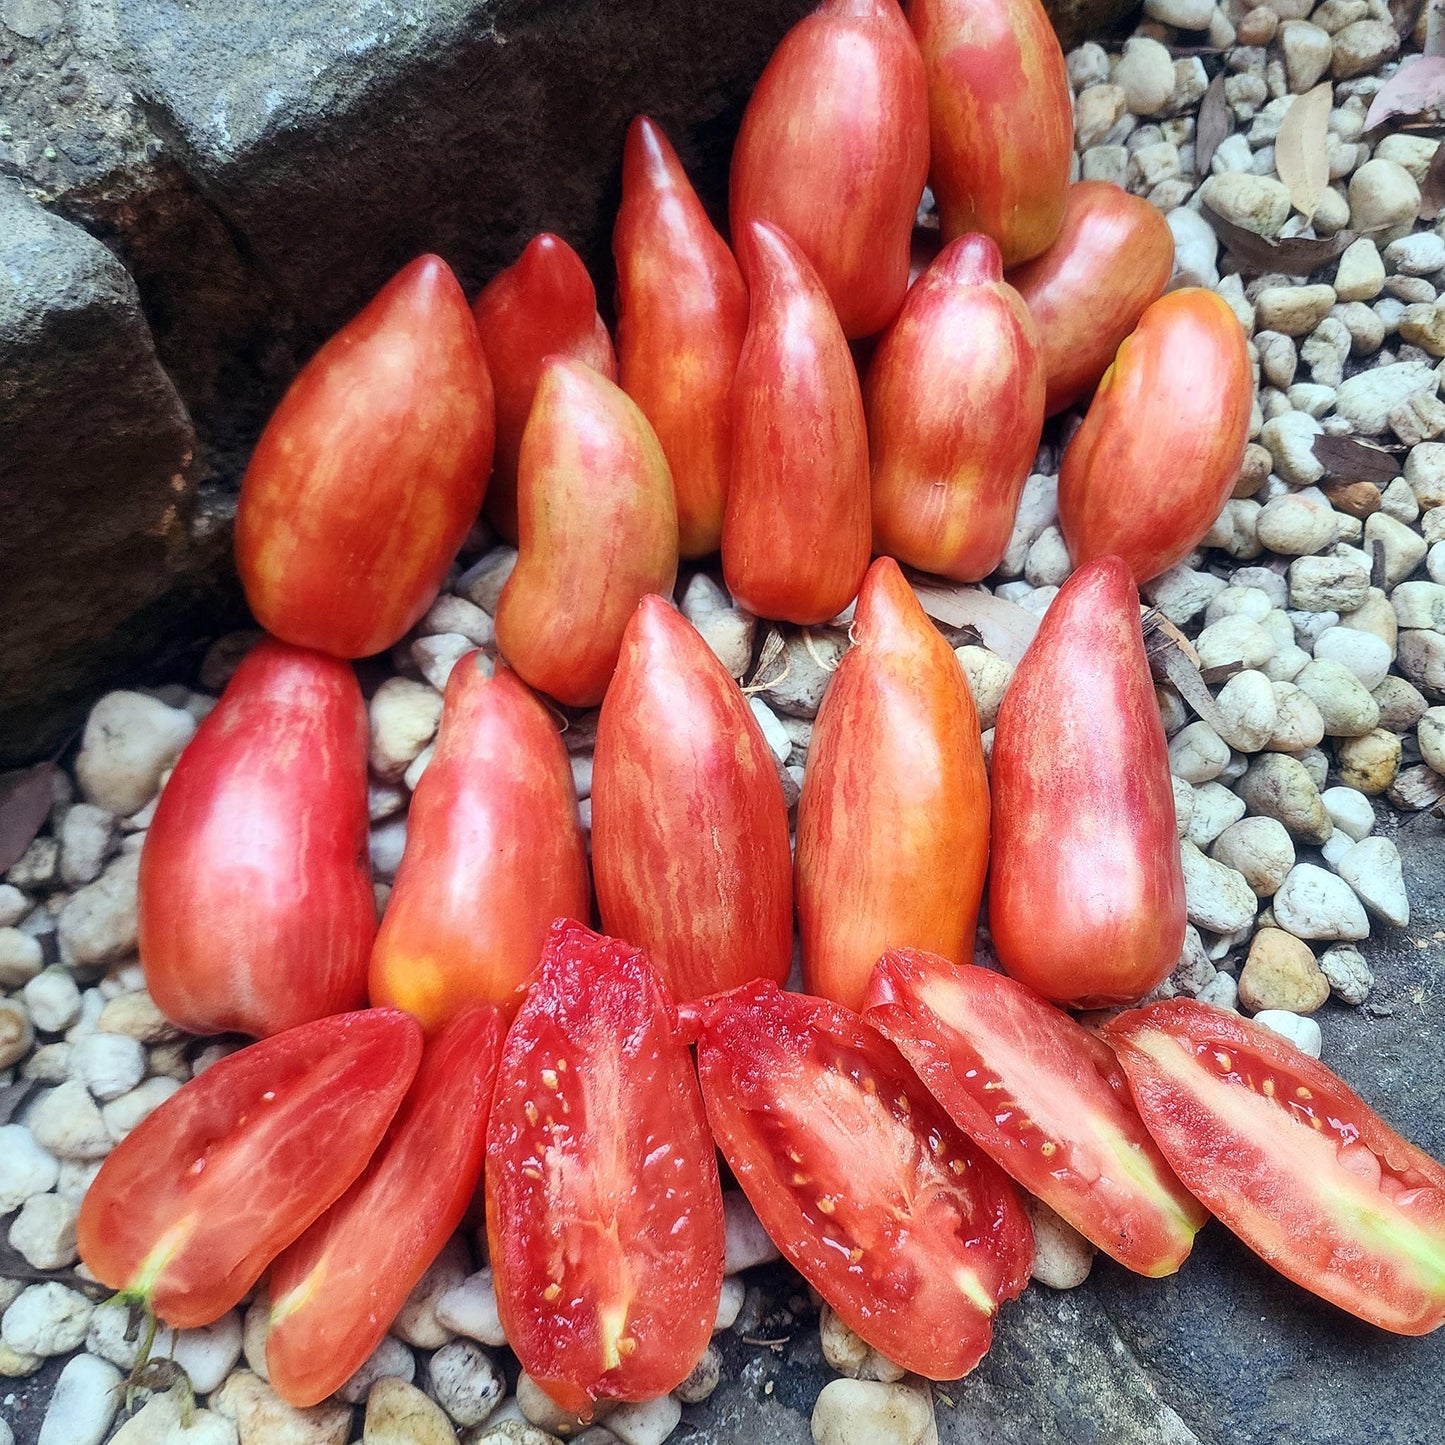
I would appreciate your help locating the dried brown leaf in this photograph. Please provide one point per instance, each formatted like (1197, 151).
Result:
(1169, 663)
(25, 799)
(1347, 460)
(1432, 188)
(1301, 154)
(1004, 626)
(1215, 124)
(1295, 256)
(1416, 88)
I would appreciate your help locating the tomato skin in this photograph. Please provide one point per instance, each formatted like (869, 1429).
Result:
(955, 403)
(1001, 118)
(1043, 1097)
(255, 901)
(1179, 387)
(542, 305)
(893, 819)
(833, 150)
(370, 471)
(1291, 1159)
(191, 1207)
(604, 1210)
(796, 533)
(1086, 891)
(682, 310)
(809, 1105)
(494, 853)
(1111, 261)
(597, 532)
(335, 1290)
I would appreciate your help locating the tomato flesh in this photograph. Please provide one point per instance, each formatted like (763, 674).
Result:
(604, 1209)
(193, 1205)
(912, 1235)
(338, 1287)
(1294, 1162)
(1043, 1097)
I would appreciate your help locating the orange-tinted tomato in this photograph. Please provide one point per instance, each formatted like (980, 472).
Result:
(255, 901)
(955, 403)
(370, 472)
(1159, 451)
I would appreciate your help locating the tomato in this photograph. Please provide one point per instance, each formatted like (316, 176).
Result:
(542, 305)
(604, 1211)
(370, 472)
(955, 404)
(255, 902)
(796, 533)
(893, 818)
(911, 1234)
(682, 310)
(597, 532)
(689, 828)
(337, 1288)
(1086, 892)
(1293, 1161)
(1000, 119)
(192, 1205)
(1180, 387)
(1112, 259)
(833, 150)
(494, 853)
(1043, 1097)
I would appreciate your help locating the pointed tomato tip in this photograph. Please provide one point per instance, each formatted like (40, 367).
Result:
(886, 604)
(971, 260)
(428, 281)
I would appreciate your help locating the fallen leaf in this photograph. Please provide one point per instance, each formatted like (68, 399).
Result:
(1301, 154)
(1170, 663)
(1377, 564)
(1416, 87)
(1347, 460)
(1295, 255)
(1215, 124)
(1006, 628)
(1432, 188)
(25, 800)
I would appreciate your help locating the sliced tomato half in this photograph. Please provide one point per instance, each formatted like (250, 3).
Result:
(604, 1210)
(910, 1233)
(1043, 1097)
(1294, 1162)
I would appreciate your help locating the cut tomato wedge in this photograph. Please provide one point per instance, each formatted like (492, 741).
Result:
(909, 1232)
(1043, 1097)
(604, 1210)
(1294, 1162)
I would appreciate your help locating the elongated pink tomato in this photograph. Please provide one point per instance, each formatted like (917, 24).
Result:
(682, 310)
(1086, 892)
(255, 905)
(955, 403)
(796, 534)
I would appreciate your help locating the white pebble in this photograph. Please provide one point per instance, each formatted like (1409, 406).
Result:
(774, 733)
(1312, 903)
(83, 1404)
(865, 1412)
(109, 1065)
(404, 715)
(1349, 975)
(1062, 1256)
(730, 1303)
(1349, 811)
(1372, 868)
(466, 1382)
(1364, 654)
(1217, 898)
(129, 741)
(21, 957)
(26, 1168)
(1197, 754)
(45, 1320)
(1301, 1031)
(98, 923)
(125, 1113)
(748, 1243)
(416, 1322)
(44, 1231)
(470, 1308)
(68, 1124)
(648, 1422)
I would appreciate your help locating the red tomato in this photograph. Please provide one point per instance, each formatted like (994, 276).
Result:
(1111, 261)
(1180, 387)
(833, 150)
(604, 1211)
(542, 305)
(912, 1235)
(893, 819)
(1000, 118)
(955, 402)
(370, 472)
(256, 909)
(1043, 1097)
(682, 310)
(1086, 891)
(1293, 1161)
(337, 1288)
(494, 852)
(689, 828)
(796, 534)
(197, 1201)
(598, 532)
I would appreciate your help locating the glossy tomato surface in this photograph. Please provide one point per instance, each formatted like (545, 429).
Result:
(337, 1288)
(604, 1211)
(1294, 1162)
(494, 853)
(370, 471)
(204, 1193)
(255, 903)
(910, 1233)
(1043, 1097)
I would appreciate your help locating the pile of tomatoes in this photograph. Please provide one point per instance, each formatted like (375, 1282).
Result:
(882, 1122)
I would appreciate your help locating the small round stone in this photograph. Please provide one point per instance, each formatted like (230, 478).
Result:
(1260, 850)
(1369, 763)
(1281, 973)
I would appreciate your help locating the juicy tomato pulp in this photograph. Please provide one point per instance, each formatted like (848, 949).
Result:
(1297, 1165)
(1043, 1097)
(911, 1234)
(604, 1210)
